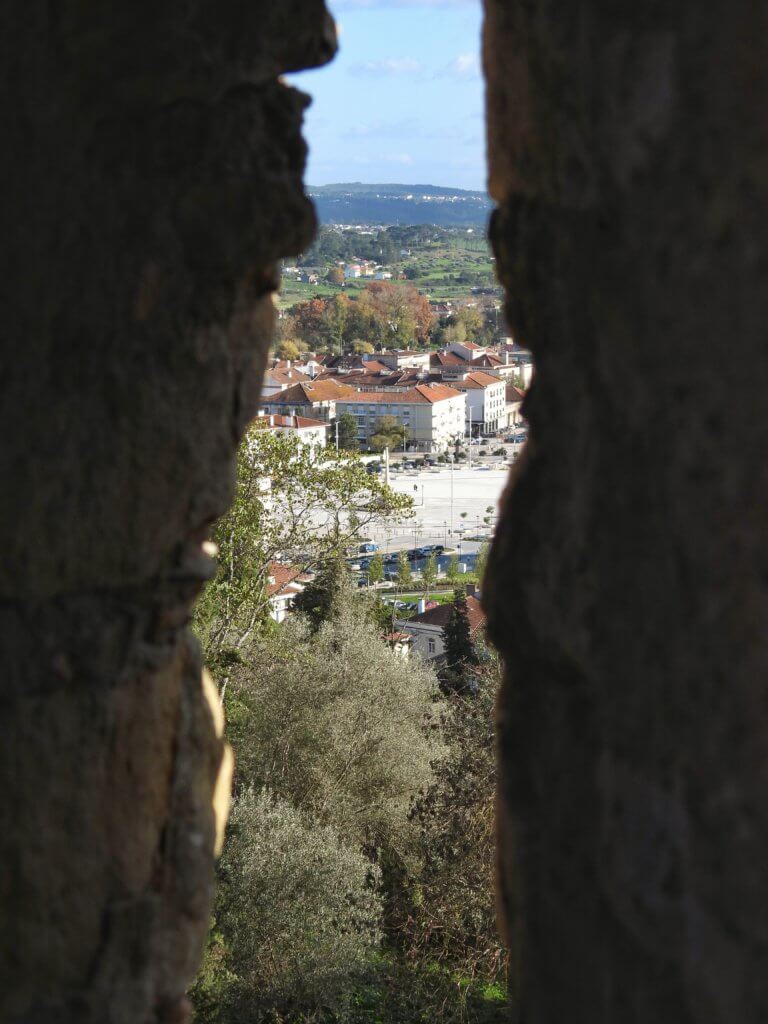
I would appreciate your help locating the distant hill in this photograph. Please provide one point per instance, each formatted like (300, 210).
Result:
(357, 203)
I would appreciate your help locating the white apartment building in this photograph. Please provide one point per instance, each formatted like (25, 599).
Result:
(486, 409)
(433, 414)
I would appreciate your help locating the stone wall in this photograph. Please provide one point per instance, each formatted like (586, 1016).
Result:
(152, 179)
(629, 159)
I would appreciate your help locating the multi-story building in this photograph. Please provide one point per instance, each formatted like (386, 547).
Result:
(433, 414)
(313, 399)
(486, 408)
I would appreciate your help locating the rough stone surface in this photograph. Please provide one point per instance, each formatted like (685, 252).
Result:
(629, 160)
(152, 180)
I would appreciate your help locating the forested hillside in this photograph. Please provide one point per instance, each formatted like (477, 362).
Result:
(357, 203)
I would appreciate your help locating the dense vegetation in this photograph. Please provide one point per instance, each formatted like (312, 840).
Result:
(441, 263)
(380, 315)
(355, 883)
(356, 203)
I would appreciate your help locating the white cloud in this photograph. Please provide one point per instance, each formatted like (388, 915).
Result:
(466, 65)
(387, 66)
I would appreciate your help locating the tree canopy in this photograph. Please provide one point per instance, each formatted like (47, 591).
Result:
(390, 433)
(288, 507)
(347, 425)
(384, 314)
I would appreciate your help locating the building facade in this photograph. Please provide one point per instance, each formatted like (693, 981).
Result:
(314, 400)
(486, 409)
(433, 414)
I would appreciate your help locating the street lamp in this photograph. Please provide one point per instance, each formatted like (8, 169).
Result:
(450, 460)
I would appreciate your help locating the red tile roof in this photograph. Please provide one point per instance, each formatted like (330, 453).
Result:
(477, 380)
(285, 376)
(284, 576)
(292, 422)
(430, 393)
(489, 359)
(310, 392)
(440, 615)
(447, 359)
(514, 394)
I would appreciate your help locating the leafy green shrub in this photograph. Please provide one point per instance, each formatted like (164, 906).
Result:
(338, 724)
(451, 920)
(297, 916)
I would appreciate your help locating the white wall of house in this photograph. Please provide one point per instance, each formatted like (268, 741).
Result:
(314, 437)
(464, 352)
(325, 410)
(403, 360)
(486, 408)
(428, 641)
(280, 605)
(270, 387)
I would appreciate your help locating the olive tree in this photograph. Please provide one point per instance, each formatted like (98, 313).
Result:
(298, 916)
(346, 729)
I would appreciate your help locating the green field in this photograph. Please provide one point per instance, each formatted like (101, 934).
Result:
(444, 271)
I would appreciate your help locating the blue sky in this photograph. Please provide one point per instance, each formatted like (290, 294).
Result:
(403, 100)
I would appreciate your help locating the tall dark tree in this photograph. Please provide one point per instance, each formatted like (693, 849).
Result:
(348, 432)
(323, 595)
(460, 652)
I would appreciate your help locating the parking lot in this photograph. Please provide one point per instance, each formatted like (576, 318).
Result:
(452, 507)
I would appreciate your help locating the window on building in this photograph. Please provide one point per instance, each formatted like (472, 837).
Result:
(431, 646)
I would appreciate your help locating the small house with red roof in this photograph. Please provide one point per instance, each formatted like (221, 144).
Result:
(284, 584)
(426, 629)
